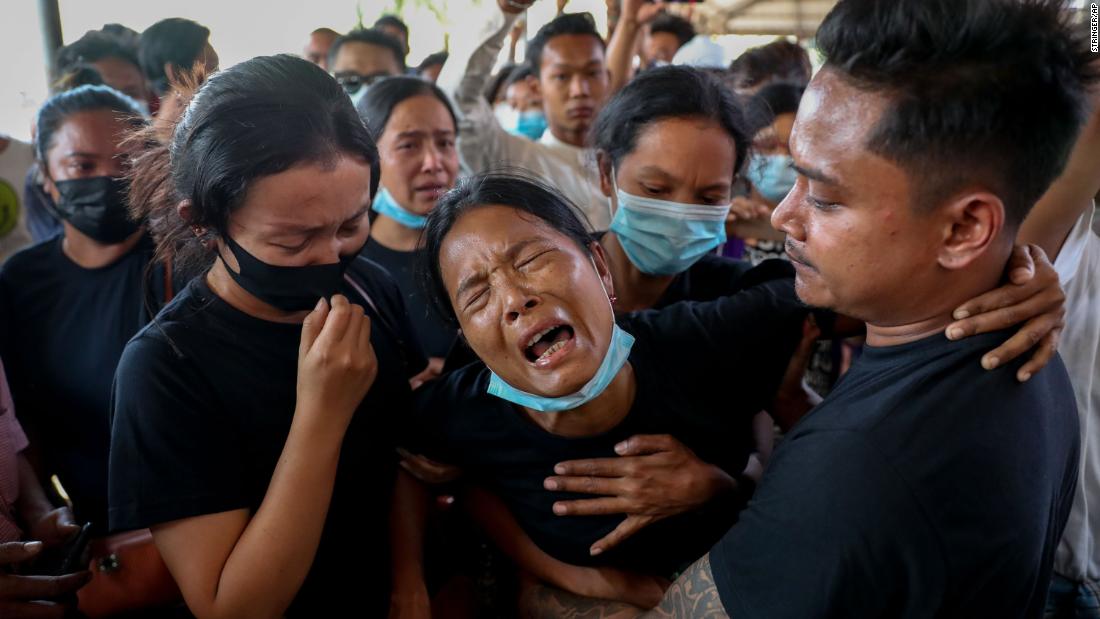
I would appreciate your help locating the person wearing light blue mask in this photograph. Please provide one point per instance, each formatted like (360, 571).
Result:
(770, 170)
(668, 146)
(772, 175)
(562, 383)
(526, 117)
(415, 129)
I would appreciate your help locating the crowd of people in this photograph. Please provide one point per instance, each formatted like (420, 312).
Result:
(616, 330)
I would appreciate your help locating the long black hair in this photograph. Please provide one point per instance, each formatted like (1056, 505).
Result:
(257, 118)
(87, 98)
(524, 193)
(669, 92)
(384, 96)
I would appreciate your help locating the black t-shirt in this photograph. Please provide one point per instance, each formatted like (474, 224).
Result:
(62, 331)
(710, 278)
(923, 486)
(203, 403)
(435, 335)
(702, 371)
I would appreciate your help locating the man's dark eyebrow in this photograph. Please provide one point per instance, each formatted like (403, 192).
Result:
(816, 175)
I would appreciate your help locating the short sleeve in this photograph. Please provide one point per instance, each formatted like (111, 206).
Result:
(831, 532)
(385, 296)
(174, 452)
(441, 409)
(1071, 259)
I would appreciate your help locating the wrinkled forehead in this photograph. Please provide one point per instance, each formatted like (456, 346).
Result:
(836, 118)
(489, 234)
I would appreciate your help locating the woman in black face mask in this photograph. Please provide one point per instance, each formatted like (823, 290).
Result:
(251, 418)
(69, 304)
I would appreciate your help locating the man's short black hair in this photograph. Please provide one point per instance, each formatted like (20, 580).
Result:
(174, 41)
(94, 46)
(371, 36)
(982, 90)
(675, 25)
(392, 21)
(566, 23)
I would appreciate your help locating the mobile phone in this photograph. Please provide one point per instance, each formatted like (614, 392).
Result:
(64, 559)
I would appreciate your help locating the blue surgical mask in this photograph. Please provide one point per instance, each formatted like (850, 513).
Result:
(772, 175)
(666, 238)
(530, 124)
(613, 360)
(384, 204)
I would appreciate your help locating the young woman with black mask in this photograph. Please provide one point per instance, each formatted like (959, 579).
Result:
(69, 304)
(251, 418)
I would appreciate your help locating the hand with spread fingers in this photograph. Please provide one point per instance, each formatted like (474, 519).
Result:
(34, 597)
(653, 477)
(1032, 300)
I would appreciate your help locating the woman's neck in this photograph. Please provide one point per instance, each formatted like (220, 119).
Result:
(88, 253)
(601, 414)
(634, 290)
(222, 284)
(392, 235)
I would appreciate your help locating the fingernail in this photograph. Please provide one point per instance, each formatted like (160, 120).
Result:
(620, 448)
(559, 469)
(595, 551)
(1024, 376)
(550, 484)
(990, 362)
(954, 333)
(32, 546)
(559, 509)
(320, 304)
(961, 314)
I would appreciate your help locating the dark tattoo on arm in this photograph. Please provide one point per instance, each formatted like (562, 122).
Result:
(542, 601)
(692, 596)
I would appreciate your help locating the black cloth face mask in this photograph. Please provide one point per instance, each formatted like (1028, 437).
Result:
(291, 289)
(96, 206)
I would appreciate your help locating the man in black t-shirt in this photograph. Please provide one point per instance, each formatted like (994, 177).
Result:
(923, 486)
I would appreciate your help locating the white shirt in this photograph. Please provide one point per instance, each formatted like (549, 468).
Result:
(15, 160)
(483, 145)
(1078, 266)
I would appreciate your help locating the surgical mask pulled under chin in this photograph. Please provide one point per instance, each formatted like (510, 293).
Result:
(291, 289)
(613, 360)
(384, 204)
(772, 175)
(665, 238)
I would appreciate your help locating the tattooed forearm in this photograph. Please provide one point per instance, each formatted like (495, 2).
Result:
(692, 596)
(541, 601)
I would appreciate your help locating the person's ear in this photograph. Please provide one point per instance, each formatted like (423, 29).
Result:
(603, 163)
(47, 182)
(972, 224)
(185, 212)
(599, 259)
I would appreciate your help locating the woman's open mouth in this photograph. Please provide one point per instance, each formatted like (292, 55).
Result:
(548, 344)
